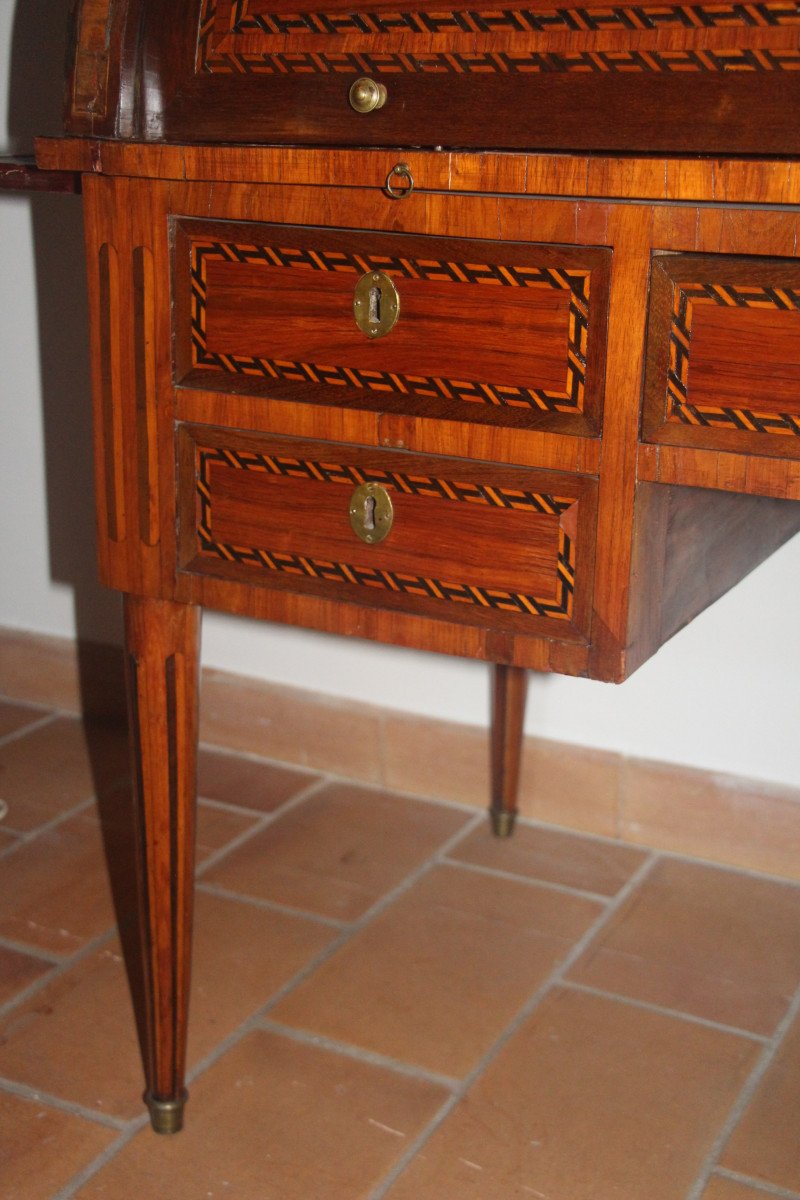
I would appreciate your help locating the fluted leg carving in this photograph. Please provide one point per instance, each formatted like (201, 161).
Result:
(162, 644)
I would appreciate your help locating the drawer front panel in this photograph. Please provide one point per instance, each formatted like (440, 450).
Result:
(490, 332)
(468, 541)
(723, 366)
(686, 75)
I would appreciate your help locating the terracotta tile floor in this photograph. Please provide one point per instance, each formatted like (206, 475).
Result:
(387, 1002)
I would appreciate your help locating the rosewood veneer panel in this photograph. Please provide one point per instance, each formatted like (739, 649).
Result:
(722, 363)
(505, 333)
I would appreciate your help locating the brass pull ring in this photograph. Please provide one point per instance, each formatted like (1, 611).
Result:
(401, 171)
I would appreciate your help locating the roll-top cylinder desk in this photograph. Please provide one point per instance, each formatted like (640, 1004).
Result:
(473, 331)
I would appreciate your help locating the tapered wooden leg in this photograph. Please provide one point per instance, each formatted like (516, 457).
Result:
(510, 686)
(162, 644)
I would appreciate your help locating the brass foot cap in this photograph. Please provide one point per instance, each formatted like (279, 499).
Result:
(166, 1116)
(502, 822)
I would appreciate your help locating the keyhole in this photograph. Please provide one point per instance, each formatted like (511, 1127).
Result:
(375, 306)
(369, 512)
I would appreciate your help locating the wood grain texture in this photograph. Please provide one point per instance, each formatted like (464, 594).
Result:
(631, 229)
(721, 358)
(132, 369)
(750, 473)
(162, 649)
(767, 180)
(489, 546)
(23, 175)
(657, 81)
(102, 57)
(509, 691)
(490, 333)
(690, 546)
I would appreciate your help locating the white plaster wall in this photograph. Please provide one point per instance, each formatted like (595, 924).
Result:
(723, 694)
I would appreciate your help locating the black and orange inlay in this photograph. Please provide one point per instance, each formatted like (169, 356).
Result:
(248, 45)
(558, 606)
(685, 297)
(576, 283)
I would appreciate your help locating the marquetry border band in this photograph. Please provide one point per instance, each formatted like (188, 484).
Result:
(559, 606)
(575, 282)
(256, 42)
(686, 296)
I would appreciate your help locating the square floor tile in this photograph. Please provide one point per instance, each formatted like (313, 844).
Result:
(18, 971)
(274, 1120)
(436, 978)
(55, 892)
(248, 782)
(705, 941)
(14, 717)
(765, 1144)
(51, 769)
(42, 1148)
(592, 1099)
(553, 856)
(77, 1038)
(339, 851)
(216, 828)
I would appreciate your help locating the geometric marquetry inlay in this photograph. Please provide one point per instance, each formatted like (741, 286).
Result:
(571, 283)
(688, 300)
(500, 599)
(256, 37)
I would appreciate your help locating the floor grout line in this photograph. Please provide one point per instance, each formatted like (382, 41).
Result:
(664, 1011)
(25, 837)
(349, 930)
(526, 1010)
(26, 1092)
(399, 1066)
(758, 1185)
(263, 822)
(327, 952)
(513, 877)
(211, 889)
(335, 777)
(52, 957)
(16, 735)
(58, 970)
(746, 1094)
(97, 1164)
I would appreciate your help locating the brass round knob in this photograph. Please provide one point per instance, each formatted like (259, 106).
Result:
(366, 95)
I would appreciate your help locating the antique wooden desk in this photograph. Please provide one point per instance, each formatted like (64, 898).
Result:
(535, 400)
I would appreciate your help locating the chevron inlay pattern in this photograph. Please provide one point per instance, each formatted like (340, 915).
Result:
(685, 297)
(559, 606)
(248, 45)
(575, 282)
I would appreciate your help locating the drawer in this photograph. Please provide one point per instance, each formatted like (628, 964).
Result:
(723, 369)
(470, 542)
(656, 75)
(492, 332)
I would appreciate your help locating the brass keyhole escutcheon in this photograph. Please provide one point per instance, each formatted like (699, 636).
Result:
(376, 304)
(371, 512)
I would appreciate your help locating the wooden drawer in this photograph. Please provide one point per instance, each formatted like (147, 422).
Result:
(495, 333)
(687, 75)
(723, 369)
(469, 542)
